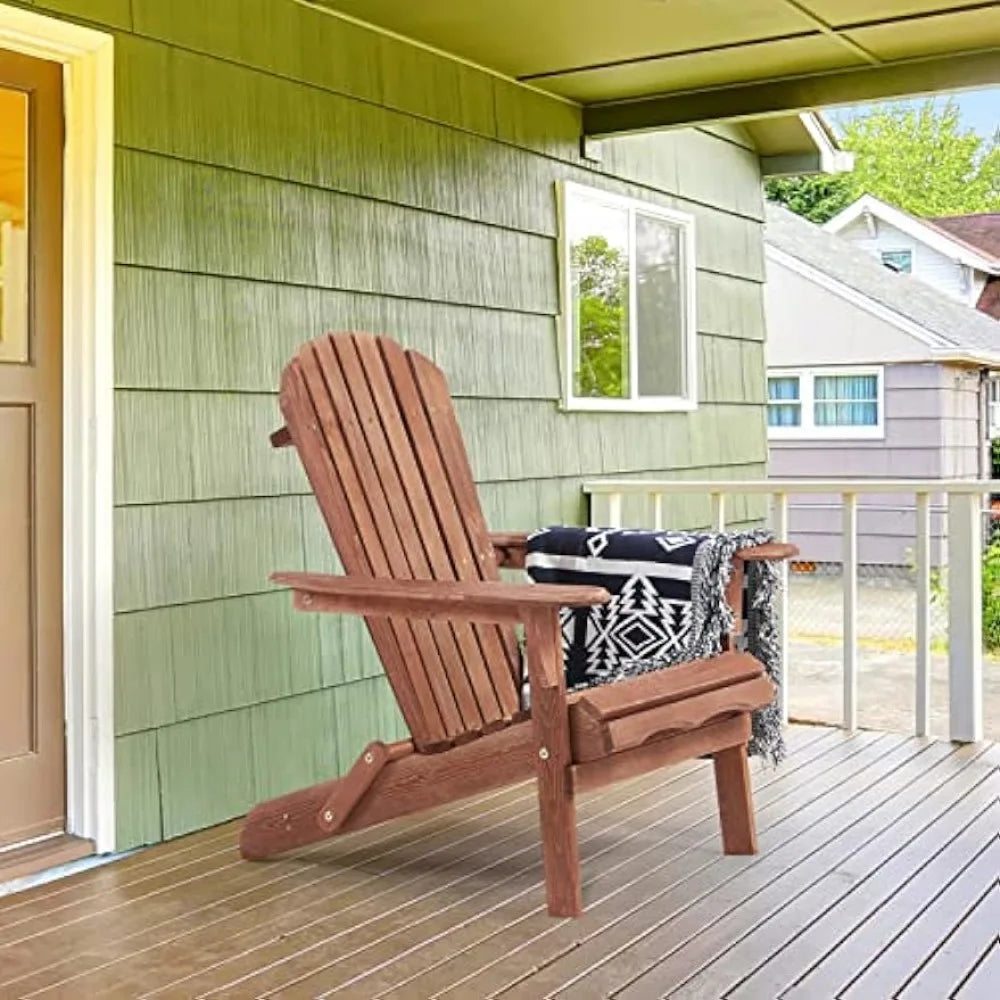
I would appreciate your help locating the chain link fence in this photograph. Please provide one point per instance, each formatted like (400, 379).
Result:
(887, 607)
(886, 629)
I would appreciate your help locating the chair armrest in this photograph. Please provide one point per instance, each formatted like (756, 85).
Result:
(281, 438)
(769, 552)
(482, 601)
(510, 548)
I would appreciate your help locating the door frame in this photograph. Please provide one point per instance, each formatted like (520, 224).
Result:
(88, 408)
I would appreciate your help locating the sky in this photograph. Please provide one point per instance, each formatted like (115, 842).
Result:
(980, 110)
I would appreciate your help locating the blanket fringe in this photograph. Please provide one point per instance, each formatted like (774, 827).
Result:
(712, 619)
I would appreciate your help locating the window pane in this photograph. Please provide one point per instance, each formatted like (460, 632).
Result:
(13, 225)
(660, 309)
(598, 237)
(898, 260)
(784, 415)
(847, 388)
(783, 387)
(846, 414)
(846, 400)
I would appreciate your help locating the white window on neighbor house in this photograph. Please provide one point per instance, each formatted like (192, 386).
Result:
(628, 279)
(784, 401)
(898, 260)
(993, 406)
(826, 403)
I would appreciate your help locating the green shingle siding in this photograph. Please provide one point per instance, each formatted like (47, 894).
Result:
(280, 172)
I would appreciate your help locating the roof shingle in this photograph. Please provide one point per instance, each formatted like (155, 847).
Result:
(954, 325)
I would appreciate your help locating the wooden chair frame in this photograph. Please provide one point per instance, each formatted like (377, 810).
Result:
(568, 743)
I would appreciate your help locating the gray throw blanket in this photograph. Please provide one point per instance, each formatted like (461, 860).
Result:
(668, 606)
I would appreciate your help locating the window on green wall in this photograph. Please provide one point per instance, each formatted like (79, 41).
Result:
(629, 310)
(821, 403)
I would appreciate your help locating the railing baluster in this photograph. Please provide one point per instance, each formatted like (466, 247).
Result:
(850, 582)
(658, 511)
(719, 511)
(606, 510)
(779, 508)
(923, 570)
(965, 617)
(614, 510)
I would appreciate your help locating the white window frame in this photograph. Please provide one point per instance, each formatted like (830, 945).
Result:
(808, 430)
(993, 405)
(567, 190)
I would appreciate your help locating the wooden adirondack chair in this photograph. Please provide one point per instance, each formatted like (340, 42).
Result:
(375, 429)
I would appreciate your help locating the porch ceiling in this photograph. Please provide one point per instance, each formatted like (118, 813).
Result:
(639, 64)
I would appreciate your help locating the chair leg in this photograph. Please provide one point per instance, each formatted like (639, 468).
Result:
(560, 851)
(556, 804)
(732, 786)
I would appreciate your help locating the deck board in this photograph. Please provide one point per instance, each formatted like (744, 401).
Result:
(924, 931)
(981, 983)
(878, 854)
(777, 951)
(801, 846)
(941, 972)
(591, 947)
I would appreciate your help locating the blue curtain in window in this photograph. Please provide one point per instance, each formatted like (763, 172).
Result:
(846, 400)
(779, 412)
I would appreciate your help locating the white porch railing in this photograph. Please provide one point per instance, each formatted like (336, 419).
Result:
(965, 506)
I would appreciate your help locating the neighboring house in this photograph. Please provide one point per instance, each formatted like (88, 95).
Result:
(241, 175)
(982, 232)
(957, 255)
(871, 375)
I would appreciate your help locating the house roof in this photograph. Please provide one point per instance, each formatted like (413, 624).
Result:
(940, 234)
(952, 330)
(980, 231)
(647, 64)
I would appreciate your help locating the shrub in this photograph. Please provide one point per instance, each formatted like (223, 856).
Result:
(991, 596)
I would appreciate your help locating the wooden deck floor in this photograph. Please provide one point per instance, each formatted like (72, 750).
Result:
(876, 879)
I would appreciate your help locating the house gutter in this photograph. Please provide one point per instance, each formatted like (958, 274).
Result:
(986, 362)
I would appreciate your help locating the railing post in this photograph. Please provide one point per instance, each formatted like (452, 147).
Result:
(718, 511)
(850, 582)
(657, 511)
(922, 710)
(779, 514)
(965, 617)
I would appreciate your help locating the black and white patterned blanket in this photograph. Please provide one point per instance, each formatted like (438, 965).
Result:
(668, 605)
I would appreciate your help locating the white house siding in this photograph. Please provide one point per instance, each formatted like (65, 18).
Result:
(940, 271)
(931, 431)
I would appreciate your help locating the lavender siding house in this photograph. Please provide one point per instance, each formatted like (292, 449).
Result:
(872, 374)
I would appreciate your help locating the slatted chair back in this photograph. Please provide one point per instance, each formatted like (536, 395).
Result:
(377, 434)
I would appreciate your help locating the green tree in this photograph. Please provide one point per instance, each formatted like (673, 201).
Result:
(600, 275)
(915, 157)
(817, 197)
